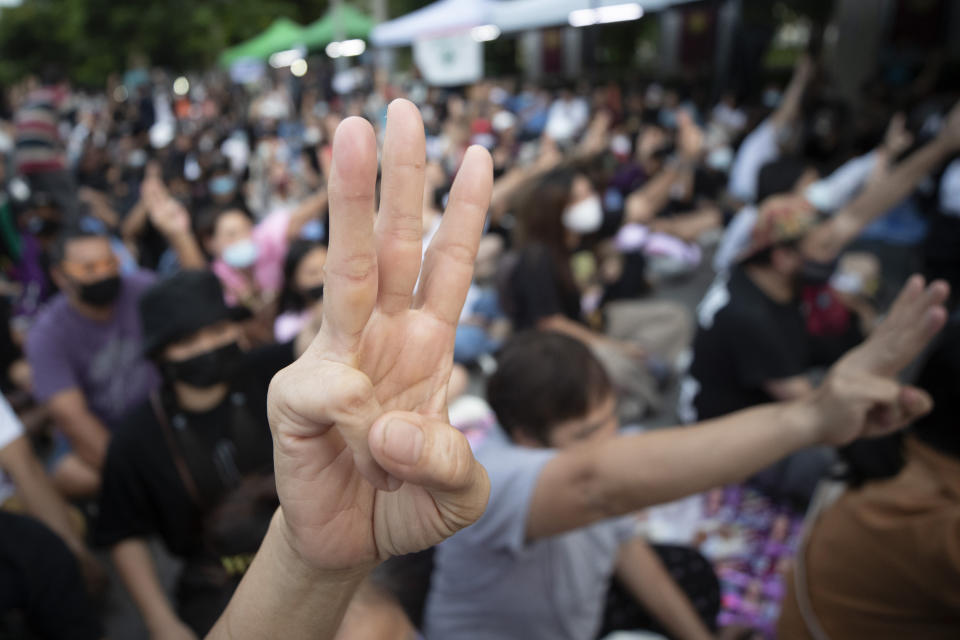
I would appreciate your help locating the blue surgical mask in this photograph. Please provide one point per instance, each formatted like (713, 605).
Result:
(222, 185)
(241, 255)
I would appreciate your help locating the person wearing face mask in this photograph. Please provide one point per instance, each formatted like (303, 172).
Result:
(763, 326)
(248, 258)
(543, 291)
(84, 352)
(301, 298)
(191, 464)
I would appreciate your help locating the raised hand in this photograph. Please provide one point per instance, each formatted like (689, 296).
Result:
(860, 396)
(897, 138)
(367, 465)
(167, 215)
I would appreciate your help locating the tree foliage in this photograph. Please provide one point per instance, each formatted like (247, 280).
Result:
(90, 39)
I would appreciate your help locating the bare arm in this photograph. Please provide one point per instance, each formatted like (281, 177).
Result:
(644, 203)
(600, 480)
(828, 239)
(562, 324)
(134, 224)
(139, 574)
(39, 497)
(172, 220)
(594, 482)
(87, 434)
(788, 388)
(306, 211)
(639, 568)
(789, 108)
(302, 601)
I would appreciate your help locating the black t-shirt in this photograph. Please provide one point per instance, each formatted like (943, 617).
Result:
(538, 290)
(41, 592)
(744, 340)
(143, 493)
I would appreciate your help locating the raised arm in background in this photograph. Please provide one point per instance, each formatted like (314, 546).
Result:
(825, 242)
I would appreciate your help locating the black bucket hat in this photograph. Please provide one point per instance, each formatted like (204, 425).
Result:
(181, 305)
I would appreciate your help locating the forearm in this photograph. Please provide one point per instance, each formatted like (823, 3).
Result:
(138, 572)
(281, 597)
(39, 497)
(306, 211)
(789, 108)
(564, 325)
(89, 440)
(636, 471)
(646, 202)
(641, 570)
(829, 239)
(188, 250)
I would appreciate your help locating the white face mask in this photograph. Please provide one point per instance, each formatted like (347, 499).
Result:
(241, 255)
(720, 159)
(584, 217)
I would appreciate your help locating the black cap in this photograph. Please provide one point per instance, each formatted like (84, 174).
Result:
(181, 305)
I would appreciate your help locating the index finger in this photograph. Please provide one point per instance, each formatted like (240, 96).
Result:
(350, 288)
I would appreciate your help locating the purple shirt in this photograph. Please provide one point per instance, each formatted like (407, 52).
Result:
(104, 361)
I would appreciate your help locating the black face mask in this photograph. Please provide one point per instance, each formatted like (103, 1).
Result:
(101, 293)
(313, 294)
(207, 369)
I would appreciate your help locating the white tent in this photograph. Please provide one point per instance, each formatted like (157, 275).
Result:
(520, 15)
(448, 17)
(439, 19)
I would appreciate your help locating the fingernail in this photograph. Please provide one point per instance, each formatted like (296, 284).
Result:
(402, 441)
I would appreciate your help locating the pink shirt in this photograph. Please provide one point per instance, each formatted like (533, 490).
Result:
(270, 236)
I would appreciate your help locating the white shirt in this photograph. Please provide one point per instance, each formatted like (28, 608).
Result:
(10, 429)
(758, 148)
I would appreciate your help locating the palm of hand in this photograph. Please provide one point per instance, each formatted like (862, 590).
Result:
(377, 352)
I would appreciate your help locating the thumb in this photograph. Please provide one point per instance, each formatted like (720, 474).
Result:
(432, 454)
(914, 403)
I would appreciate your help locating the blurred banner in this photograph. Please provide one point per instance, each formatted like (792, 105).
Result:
(448, 61)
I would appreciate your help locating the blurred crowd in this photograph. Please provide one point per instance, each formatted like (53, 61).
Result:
(163, 256)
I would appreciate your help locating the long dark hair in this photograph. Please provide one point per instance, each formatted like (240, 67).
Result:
(540, 219)
(290, 299)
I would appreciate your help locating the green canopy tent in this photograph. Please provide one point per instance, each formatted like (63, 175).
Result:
(352, 24)
(283, 34)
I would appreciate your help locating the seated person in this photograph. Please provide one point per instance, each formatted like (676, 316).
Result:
(247, 257)
(368, 466)
(766, 323)
(85, 354)
(24, 486)
(541, 291)
(193, 463)
(491, 580)
(41, 590)
(301, 297)
(864, 572)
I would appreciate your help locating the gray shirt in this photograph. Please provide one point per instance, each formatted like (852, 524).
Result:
(489, 583)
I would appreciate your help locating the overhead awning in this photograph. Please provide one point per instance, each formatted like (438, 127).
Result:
(447, 17)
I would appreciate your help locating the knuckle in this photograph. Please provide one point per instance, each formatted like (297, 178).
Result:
(355, 268)
(350, 392)
(458, 252)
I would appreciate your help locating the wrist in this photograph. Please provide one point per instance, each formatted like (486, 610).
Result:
(161, 619)
(803, 421)
(301, 570)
